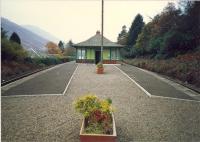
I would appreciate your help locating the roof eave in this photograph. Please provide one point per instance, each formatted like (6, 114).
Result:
(87, 46)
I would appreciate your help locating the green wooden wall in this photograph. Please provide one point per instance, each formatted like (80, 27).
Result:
(108, 53)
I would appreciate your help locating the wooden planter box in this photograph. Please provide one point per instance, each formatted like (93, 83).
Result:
(98, 137)
(100, 70)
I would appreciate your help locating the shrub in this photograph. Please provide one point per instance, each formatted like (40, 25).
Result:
(46, 61)
(99, 65)
(12, 50)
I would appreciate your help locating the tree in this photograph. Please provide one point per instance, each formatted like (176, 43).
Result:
(142, 42)
(69, 44)
(135, 30)
(11, 50)
(158, 33)
(168, 19)
(53, 48)
(15, 38)
(122, 37)
(3, 33)
(61, 46)
(172, 32)
(69, 49)
(191, 24)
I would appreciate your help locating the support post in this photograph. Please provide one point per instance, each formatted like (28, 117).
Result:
(102, 12)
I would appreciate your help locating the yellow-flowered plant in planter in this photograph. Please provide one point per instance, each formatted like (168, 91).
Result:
(97, 114)
(100, 68)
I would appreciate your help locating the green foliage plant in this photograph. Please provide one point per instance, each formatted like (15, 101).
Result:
(99, 65)
(97, 113)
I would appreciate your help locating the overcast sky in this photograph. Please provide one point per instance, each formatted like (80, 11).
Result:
(79, 19)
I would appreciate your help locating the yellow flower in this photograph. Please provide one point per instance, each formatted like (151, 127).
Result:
(105, 106)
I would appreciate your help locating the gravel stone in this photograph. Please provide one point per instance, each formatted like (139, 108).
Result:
(138, 117)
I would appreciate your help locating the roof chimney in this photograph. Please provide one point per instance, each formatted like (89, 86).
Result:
(98, 32)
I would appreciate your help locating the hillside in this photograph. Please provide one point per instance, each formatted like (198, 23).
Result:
(41, 32)
(30, 41)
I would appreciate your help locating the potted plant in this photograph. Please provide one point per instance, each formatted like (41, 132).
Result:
(100, 68)
(98, 124)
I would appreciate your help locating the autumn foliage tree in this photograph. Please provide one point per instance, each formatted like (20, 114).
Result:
(53, 48)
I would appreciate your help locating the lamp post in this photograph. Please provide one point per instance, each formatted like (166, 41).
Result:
(102, 12)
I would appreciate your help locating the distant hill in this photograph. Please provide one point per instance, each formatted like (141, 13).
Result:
(42, 33)
(32, 42)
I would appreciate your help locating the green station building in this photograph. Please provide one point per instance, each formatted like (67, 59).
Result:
(89, 51)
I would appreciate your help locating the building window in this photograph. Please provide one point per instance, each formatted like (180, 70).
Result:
(81, 53)
(118, 54)
(113, 54)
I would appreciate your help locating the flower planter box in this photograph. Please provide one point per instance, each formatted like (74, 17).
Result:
(98, 137)
(100, 70)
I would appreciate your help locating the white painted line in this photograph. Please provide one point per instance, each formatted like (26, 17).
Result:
(153, 96)
(33, 95)
(145, 91)
(70, 81)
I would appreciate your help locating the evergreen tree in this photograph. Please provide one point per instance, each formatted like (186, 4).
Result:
(15, 38)
(135, 30)
(61, 46)
(122, 37)
(3, 33)
(70, 43)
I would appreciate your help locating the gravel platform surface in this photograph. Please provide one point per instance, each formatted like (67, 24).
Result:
(138, 117)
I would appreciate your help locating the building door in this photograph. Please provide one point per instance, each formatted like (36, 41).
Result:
(97, 57)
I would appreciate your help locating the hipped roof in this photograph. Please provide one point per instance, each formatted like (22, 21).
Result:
(95, 41)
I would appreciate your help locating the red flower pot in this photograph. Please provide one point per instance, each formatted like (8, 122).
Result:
(100, 70)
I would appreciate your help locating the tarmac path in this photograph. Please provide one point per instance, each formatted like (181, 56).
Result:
(52, 81)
